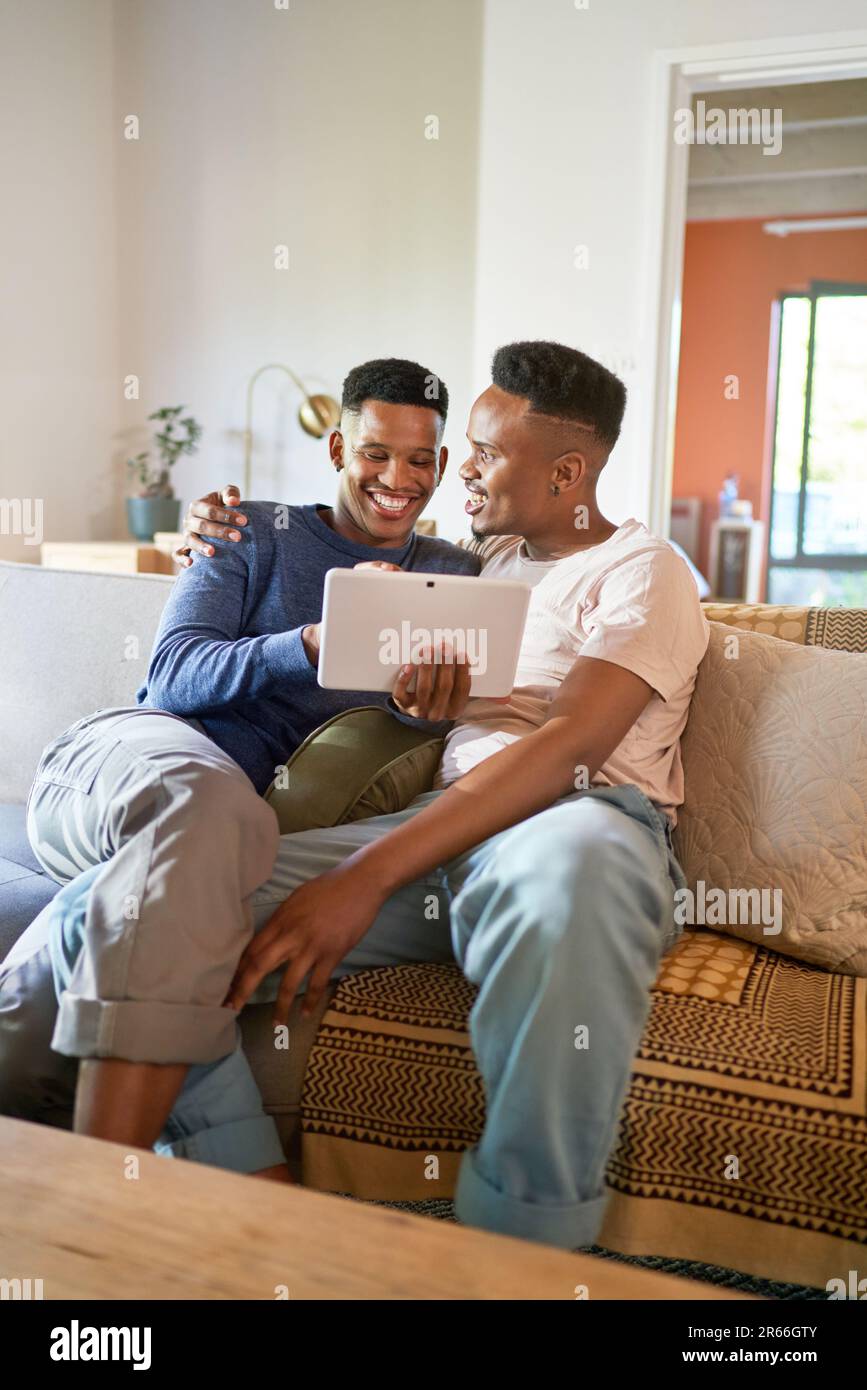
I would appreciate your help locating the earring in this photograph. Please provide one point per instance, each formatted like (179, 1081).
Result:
(555, 491)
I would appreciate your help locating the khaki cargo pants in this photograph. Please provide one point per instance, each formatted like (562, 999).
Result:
(184, 840)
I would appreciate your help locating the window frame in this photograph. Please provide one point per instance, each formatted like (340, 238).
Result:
(818, 289)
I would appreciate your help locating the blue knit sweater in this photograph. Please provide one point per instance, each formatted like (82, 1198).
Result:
(228, 652)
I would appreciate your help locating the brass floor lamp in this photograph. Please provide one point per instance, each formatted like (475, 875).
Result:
(317, 415)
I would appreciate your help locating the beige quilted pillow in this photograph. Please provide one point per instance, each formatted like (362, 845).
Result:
(775, 761)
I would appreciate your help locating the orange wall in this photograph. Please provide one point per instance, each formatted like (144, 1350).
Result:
(733, 272)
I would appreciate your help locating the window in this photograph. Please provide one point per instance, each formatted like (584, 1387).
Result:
(818, 529)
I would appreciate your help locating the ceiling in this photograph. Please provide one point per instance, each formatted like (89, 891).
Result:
(821, 166)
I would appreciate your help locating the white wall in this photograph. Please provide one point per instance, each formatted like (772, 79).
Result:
(566, 155)
(261, 127)
(57, 272)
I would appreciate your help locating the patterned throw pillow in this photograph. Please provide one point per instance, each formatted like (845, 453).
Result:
(773, 832)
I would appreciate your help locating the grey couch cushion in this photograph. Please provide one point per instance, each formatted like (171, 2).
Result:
(14, 844)
(24, 888)
(72, 643)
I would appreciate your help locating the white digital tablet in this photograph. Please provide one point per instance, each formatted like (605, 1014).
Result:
(375, 621)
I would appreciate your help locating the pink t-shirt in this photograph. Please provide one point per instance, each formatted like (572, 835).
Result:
(630, 600)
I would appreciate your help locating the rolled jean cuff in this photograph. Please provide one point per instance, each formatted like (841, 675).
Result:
(477, 1203)
(143, 1031)
(242, 1146)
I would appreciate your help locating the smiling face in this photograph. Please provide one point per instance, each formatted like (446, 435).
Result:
(507, 476)
(527, 473)
(391, 460)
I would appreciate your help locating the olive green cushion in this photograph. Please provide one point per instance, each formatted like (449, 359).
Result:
(362, 763)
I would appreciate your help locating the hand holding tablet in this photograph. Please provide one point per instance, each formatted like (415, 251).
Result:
(376, 623)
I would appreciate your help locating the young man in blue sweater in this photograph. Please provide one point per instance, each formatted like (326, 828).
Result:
(164, 800)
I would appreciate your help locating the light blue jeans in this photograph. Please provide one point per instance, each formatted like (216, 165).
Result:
(561, 922)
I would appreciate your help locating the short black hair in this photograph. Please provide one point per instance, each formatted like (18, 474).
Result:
(563, 382)
(397, 382)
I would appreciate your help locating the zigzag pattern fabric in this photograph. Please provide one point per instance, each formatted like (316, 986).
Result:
(748, 1100)
(743, 1139)
(844, 629)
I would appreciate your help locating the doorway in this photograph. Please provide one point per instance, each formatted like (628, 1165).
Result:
(717, 210)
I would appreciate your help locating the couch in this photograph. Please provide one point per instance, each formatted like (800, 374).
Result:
(745, 1049)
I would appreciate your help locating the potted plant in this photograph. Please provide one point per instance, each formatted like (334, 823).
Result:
(154, 506)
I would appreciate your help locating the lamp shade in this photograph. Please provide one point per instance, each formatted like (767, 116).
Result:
(318, 415)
